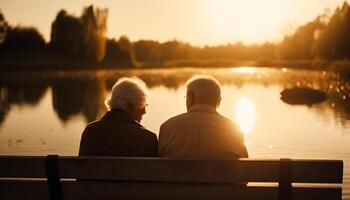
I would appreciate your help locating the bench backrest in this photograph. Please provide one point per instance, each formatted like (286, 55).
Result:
(25, 177)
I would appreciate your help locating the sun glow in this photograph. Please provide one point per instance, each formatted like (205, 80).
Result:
(250, 20)
(245, 114)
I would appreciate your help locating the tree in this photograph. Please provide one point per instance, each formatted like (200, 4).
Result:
(119, 52)
(67, 35)
(146, 50)
(81, 37)
(333, 41)
(3, 27)
(94, 29)
(23, 39)
(300, 45)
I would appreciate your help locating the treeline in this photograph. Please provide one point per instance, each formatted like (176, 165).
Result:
(80, 40)
(326, 37)
(83, 39)
(146, 50)
(19, 39)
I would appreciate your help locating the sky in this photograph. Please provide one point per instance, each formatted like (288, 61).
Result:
(198, 22)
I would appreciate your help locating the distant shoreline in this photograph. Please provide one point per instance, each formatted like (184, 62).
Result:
(343, 65)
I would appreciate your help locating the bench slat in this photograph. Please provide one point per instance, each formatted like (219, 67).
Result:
(73, 190)
(169, 169)
(24, 190)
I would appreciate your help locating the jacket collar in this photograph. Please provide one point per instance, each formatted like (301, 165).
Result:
(202, 108)
(119, 115)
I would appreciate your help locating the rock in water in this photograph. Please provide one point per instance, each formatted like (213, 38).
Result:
(307, 96)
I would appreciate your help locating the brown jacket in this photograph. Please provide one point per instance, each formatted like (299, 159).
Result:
(117, 134)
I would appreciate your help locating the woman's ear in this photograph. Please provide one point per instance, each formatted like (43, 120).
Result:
(218, 102)
(129, 106)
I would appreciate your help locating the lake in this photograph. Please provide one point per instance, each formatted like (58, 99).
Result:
(45, 112)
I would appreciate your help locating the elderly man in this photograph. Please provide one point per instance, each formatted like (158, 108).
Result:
(119, 132)
(201, 132)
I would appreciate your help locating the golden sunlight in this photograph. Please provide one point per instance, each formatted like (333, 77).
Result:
(242, 19)
(245, 114)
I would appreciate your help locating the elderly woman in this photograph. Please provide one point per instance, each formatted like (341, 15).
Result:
(119, 132)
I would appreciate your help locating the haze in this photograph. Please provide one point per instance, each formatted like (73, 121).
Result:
(199, 22)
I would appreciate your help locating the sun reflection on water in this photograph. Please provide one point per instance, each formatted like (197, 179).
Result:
(243, 70)
(245, 115)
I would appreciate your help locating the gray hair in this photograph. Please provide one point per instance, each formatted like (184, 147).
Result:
(205, 88)
(127, 92)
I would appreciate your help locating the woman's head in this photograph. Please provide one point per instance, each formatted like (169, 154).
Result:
(130, 95)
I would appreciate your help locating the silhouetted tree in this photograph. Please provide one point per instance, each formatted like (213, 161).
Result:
(174, 49)
(20, 44)
(95, 26)
(267, 51)
(119, 53)
(23, 39)
(238, 51)
(81, 37)
(3, 27)
(67, 35)
(322, 38)
(301, 44)
(146, 50)
(126, 46)
(333, 42)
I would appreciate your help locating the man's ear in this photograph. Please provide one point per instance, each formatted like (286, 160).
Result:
(189, 99)
(190, 94)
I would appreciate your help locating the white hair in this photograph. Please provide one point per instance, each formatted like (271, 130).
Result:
(127, 92)
(205, 88)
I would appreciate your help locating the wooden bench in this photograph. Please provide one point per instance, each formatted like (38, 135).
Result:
(74, 178)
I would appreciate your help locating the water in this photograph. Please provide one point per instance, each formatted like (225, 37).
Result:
(45, 112)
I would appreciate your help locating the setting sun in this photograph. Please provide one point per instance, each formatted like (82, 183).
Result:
(245, 114)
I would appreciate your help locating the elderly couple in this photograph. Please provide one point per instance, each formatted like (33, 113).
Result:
(200, 132)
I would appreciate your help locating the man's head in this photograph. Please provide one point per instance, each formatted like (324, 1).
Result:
(203, 89)
(129, 94)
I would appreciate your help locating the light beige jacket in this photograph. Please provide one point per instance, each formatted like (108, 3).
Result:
(201, 132)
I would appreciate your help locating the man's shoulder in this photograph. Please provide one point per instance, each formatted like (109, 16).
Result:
(225, 119)
(229, 123)
(198, 118)
(174, 120)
